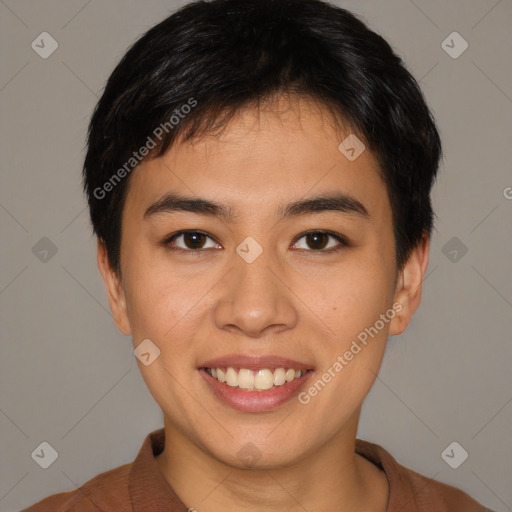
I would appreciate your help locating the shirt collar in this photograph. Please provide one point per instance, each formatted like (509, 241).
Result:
(146, 479)
(401, 495)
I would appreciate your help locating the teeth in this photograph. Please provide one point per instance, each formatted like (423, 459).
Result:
(264, 379)
(245, 379)
(279, 377)
(259, 380)
(231, 378)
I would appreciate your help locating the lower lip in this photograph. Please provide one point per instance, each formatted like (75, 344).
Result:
(255, 401)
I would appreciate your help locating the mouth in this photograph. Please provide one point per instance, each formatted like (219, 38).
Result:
(262, 379)
(253, 383)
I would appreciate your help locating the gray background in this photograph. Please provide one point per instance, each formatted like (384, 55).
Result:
(69, 378)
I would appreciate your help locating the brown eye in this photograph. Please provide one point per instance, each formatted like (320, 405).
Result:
(317, 240)
(320, 241)
(190, 241)
(194, 240)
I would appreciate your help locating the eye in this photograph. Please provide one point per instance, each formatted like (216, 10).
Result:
(319, 241)
(315, 241)
(189, 241)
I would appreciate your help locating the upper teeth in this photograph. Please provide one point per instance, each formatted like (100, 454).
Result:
(260, 380)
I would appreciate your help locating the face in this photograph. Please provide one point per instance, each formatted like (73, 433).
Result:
(286, 262)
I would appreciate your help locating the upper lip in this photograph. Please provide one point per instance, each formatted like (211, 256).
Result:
(254, 362)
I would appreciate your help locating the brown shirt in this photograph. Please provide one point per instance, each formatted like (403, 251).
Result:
(141, 487)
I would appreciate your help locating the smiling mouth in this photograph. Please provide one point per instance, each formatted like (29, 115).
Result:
(255, 380)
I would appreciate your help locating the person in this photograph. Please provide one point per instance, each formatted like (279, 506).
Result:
(258, 174)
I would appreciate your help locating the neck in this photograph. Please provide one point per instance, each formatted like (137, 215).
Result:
(334, 477)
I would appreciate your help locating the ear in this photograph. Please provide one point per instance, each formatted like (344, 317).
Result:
(115, 292)
(409, 286)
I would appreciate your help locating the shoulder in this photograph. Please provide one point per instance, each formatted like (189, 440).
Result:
(434, 495)
(413, 492)
(139, 484)
(104, 491)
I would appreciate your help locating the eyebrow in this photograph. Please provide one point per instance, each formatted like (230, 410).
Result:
(337, 202)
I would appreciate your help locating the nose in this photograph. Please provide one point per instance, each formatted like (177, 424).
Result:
(254, 299)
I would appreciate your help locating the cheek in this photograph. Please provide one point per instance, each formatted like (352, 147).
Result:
(355, 298)
(350, 358)
(170, 305)
(157, 299)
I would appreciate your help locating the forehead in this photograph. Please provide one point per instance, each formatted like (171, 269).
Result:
(284, 150)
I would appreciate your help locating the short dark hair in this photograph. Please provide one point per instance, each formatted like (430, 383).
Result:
(189, 74)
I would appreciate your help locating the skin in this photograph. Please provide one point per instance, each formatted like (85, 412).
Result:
(293, 301)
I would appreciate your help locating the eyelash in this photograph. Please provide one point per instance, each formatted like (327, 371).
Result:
(343, 242)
